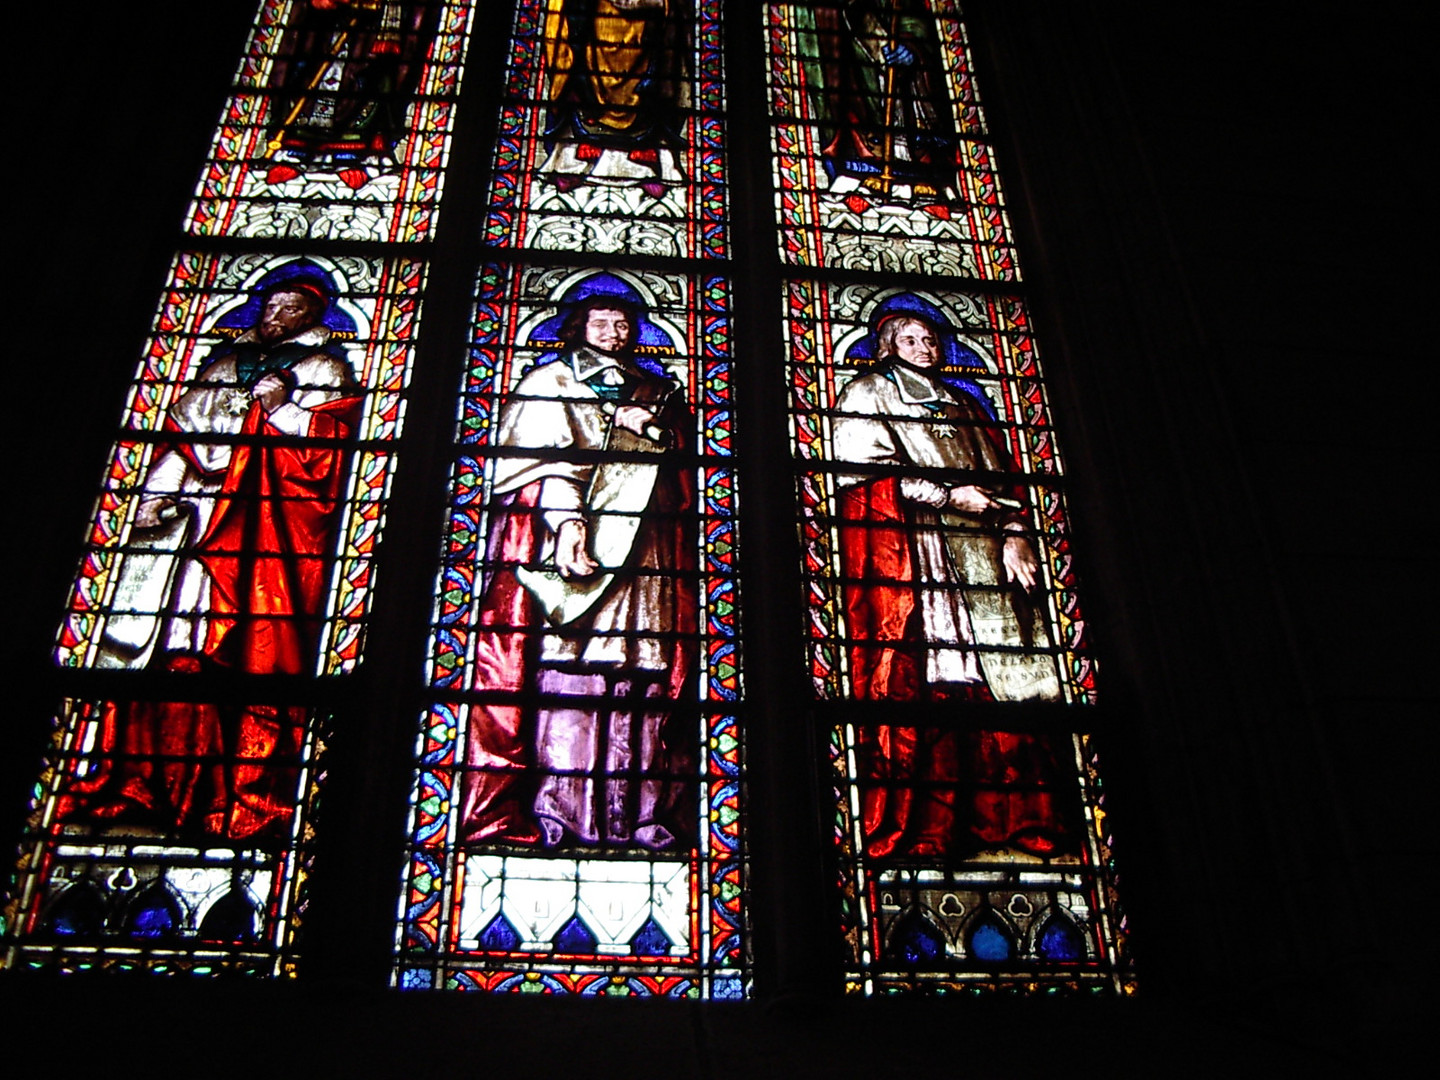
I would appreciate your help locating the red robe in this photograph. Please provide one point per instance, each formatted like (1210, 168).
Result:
(913, 779)
(232, 771)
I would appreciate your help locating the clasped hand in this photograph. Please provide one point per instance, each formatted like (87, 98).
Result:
(899, 56)
(572, 558)
(271, 391)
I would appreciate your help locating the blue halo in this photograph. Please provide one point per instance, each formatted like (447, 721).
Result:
(247, 314)
(650, 340)
(957, 359)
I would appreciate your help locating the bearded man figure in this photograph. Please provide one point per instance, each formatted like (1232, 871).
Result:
(227, 571)
(588, 618)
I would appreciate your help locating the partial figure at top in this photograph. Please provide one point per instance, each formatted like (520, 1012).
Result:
(344, 78)
(880, 92)
(618, 78)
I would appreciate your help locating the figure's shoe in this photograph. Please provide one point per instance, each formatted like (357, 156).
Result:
(1035, 842)
(926, 846)
(654, 837)
(552, 832)
(281, 173)
(354, 179)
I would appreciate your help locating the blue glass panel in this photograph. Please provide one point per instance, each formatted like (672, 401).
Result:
(1061, 940)
(918, 941)
(79, 912)
(154, 914)
(575, 938)
(231, 918)
(500, 936)
(650, 941)
(989, 941)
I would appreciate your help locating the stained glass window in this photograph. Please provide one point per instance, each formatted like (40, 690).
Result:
(339, 124)
(944, 621)
(575, 818)
(576, 791)
(611, 137)
(229, 560)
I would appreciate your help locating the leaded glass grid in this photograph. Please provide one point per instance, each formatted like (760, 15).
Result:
(1009, 921)
(228, 568)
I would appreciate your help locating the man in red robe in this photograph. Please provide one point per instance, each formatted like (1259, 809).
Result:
(232, 542)
(937, 569)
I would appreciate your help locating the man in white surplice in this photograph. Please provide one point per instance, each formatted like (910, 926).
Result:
(589, 551)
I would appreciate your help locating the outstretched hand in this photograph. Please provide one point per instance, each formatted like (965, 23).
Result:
(970, 499)
(634, 418)
(571, 557)
(1019, 561)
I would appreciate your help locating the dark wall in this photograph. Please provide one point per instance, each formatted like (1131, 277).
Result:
(1230, 212)
(1223, 215)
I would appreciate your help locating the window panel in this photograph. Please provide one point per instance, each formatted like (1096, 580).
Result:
(878, 137)
(171, 836)
(575, 819)
(611, 139)
(938, 576)
(339, 125)
(240, 510)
